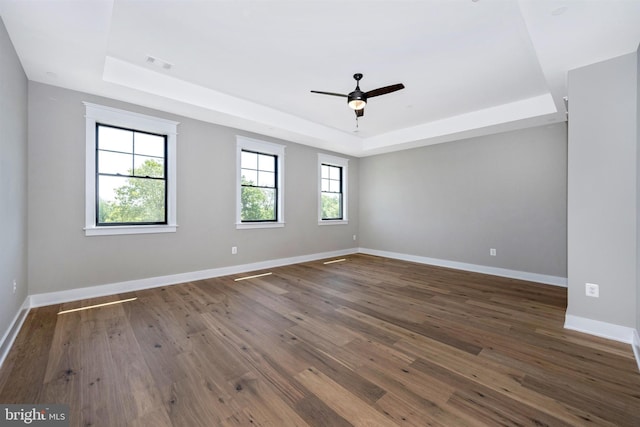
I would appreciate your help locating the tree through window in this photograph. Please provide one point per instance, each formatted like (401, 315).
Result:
(131, 184)
(333, 188)
(260, 183)
(259, 192)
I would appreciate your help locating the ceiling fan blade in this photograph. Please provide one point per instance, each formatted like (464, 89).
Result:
(360, 112)
(384, 90)
(329, 93)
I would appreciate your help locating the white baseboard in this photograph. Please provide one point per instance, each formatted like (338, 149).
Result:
(48, 298)
(12, 331)
(600, 329)
(495, 271)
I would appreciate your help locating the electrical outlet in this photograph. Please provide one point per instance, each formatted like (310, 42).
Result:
(234, 250)
(492, 252)
(354, 237)
(15, 285)
(592, 290)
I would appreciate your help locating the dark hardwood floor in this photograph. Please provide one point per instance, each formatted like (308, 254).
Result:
(366, 342)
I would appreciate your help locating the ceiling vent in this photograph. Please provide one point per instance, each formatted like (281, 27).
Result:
(160, 63)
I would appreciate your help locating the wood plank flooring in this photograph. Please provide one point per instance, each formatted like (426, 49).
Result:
(364, 342)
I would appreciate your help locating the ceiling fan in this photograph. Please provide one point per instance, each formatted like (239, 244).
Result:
(358, 99)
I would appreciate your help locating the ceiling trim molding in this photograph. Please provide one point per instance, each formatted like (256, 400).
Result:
(123, 73)
(287, 126)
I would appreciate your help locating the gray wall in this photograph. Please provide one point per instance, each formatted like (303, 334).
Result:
(457, 200)
(603, 197)
(638, 187)
(62, 257)
(13, 181)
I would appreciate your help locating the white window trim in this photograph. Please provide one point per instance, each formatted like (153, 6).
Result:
(112, 116)
(344, 164)
(245, 143)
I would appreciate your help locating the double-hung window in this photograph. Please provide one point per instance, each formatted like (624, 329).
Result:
(130, 172)
(131, 177)
(259, 192)
(259, 182)
(332, 192)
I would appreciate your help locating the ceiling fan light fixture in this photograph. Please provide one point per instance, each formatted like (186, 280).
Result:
(357, 100)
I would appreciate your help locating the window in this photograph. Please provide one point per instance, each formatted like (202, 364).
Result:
(259, 183)
(332, 192)
(130, 172)
(131, 184)
(331, 183)
(259, 192)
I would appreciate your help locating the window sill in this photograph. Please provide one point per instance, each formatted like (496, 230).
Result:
(250, 225)
(129, 229)
(333, 222)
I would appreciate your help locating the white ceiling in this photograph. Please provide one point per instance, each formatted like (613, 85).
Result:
(469, 67)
